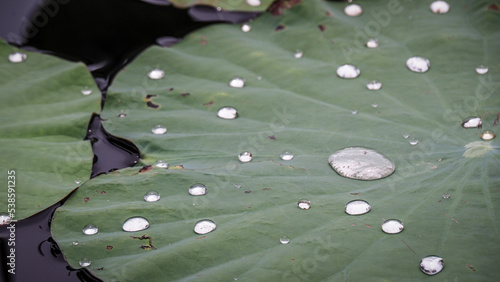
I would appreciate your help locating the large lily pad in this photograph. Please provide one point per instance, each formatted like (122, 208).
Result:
(444, 189)
(43, 117)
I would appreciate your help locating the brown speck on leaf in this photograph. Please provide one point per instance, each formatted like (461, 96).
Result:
(328, 14)
(201, 237)
(321, 27)
(103, 192)
(86, 199)
(150, 103)
(368, 225)
(211, 102)
(248, 191)
(471, 267)
(146, 168)
(100, 268)
(185, 94)
(203, 41)
(266, 188)
(171, 89)
(497, 119)
(356, 193)
(272, 137)
(149, 96)
(278, 7)
(145, 237)
(109, 247)
(279, 27)
(493, 7)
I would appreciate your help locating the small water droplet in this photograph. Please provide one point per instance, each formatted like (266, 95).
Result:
(237, 186)
(5, 219)
(122, 114)
(284, 240)
(348, 71)
(392, 226)
(75, 243)
(152, 196)
(227, 113)
(440, 7)
(218, 9)
(413, 141)
(357, 207)
(286, 156)
(259, 77)
(431, 265)
(298, 54)
(354, 112)
(204, 226)
(353, 10)
(135, 224)
(159, 129)
(90, 229)
(374, 85)
(446, 196)
(84, 262)
(361, 163)
(482, 69)
(253, 3)
(86, 91)
(405, 136)
(17, 57)
(372, 43)
(156, 74)
(374, 105)
(418, 64)
(237, 82)
(246, 27)
(304, 204)
(245, 157)
(161, 164)
(487, 135)
(472, 122)
(78, 181)
(197, 189)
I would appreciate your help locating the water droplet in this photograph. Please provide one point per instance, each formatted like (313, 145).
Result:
(286, 156)
(86, 90)
(5, 219)
(348, 71)
(75, 243)
(204, 226)
(446, 196)
(431, 265)
(156, 74)
(372, 43)
(374, 105)
(482, 69)
(122, 114)
(159, 129)
(246, 27)
(405, 136)
(440, 7)
(298, 54)
(84, 262)
(259, 77)
(135, 224)
(17, 57)
(354, 112)
(161, 164)
(253, 3)
(304, 204)
(152, 196)
(78, 181)
(487, 135)
(245, 157)
(357, 207)
(90, 229)
(227, 113)
(361, 163)
(353, 10)
(418, 64)
(413, 141)
(284, 240)
(392, 226)
(237, 82)
(472, 122)
(374, 85)
(197, 189)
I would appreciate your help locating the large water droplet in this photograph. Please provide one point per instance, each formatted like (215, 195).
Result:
(353, 10)
(90, 229)
(17, 57)
(286, 156)
(253, 3)
(245, 157)
(284, 240)
(374, 85)
(135, 224)
(246, 27)
(361, 163)
(204, 226)
(298, 54)
(413, 141)
(227, 113)
(392, 226)
(237, 82)
(197, 189)
(372, 43)
(348, 71)
(84, 262)
(418, 64)
(86, 91)
(482, 69)
(357, 207)
(440, 7)
(159, 129)
(304, 204)
(152, 196)
(5, 219)
(487, 135)
(431, 265)
(156, 74)
(161, 164)
(472, 122)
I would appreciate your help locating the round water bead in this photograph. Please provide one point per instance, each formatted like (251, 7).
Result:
(152, 196)
(86, 91)
(253, 3)
(472, 122)
(122, 114)
(431, 265)
(298, 54)
(284, 240)
(204, 226)
(361, 163)
(227, 113)
(159, 129)
(161, 164)
(374, 85)
(353, 10)
(348, 71)
(372, 43)
(197, 190)
(245, 157)
(286, 156)
(304, 204)
(487, 135)
(413, 141)
(246, 27)
(156, 74)
(418, 64)
(357, 207)
(84, 262)
(482, 69)
(135, 224)
(440, 7)
(5, 219)
(17, 57)
(392, 226)
(90, 229)
(237, 82)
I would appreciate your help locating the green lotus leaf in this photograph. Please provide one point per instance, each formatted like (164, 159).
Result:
(449, 203)
(43, 118)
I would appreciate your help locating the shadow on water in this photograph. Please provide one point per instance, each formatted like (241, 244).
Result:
(106, 36)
